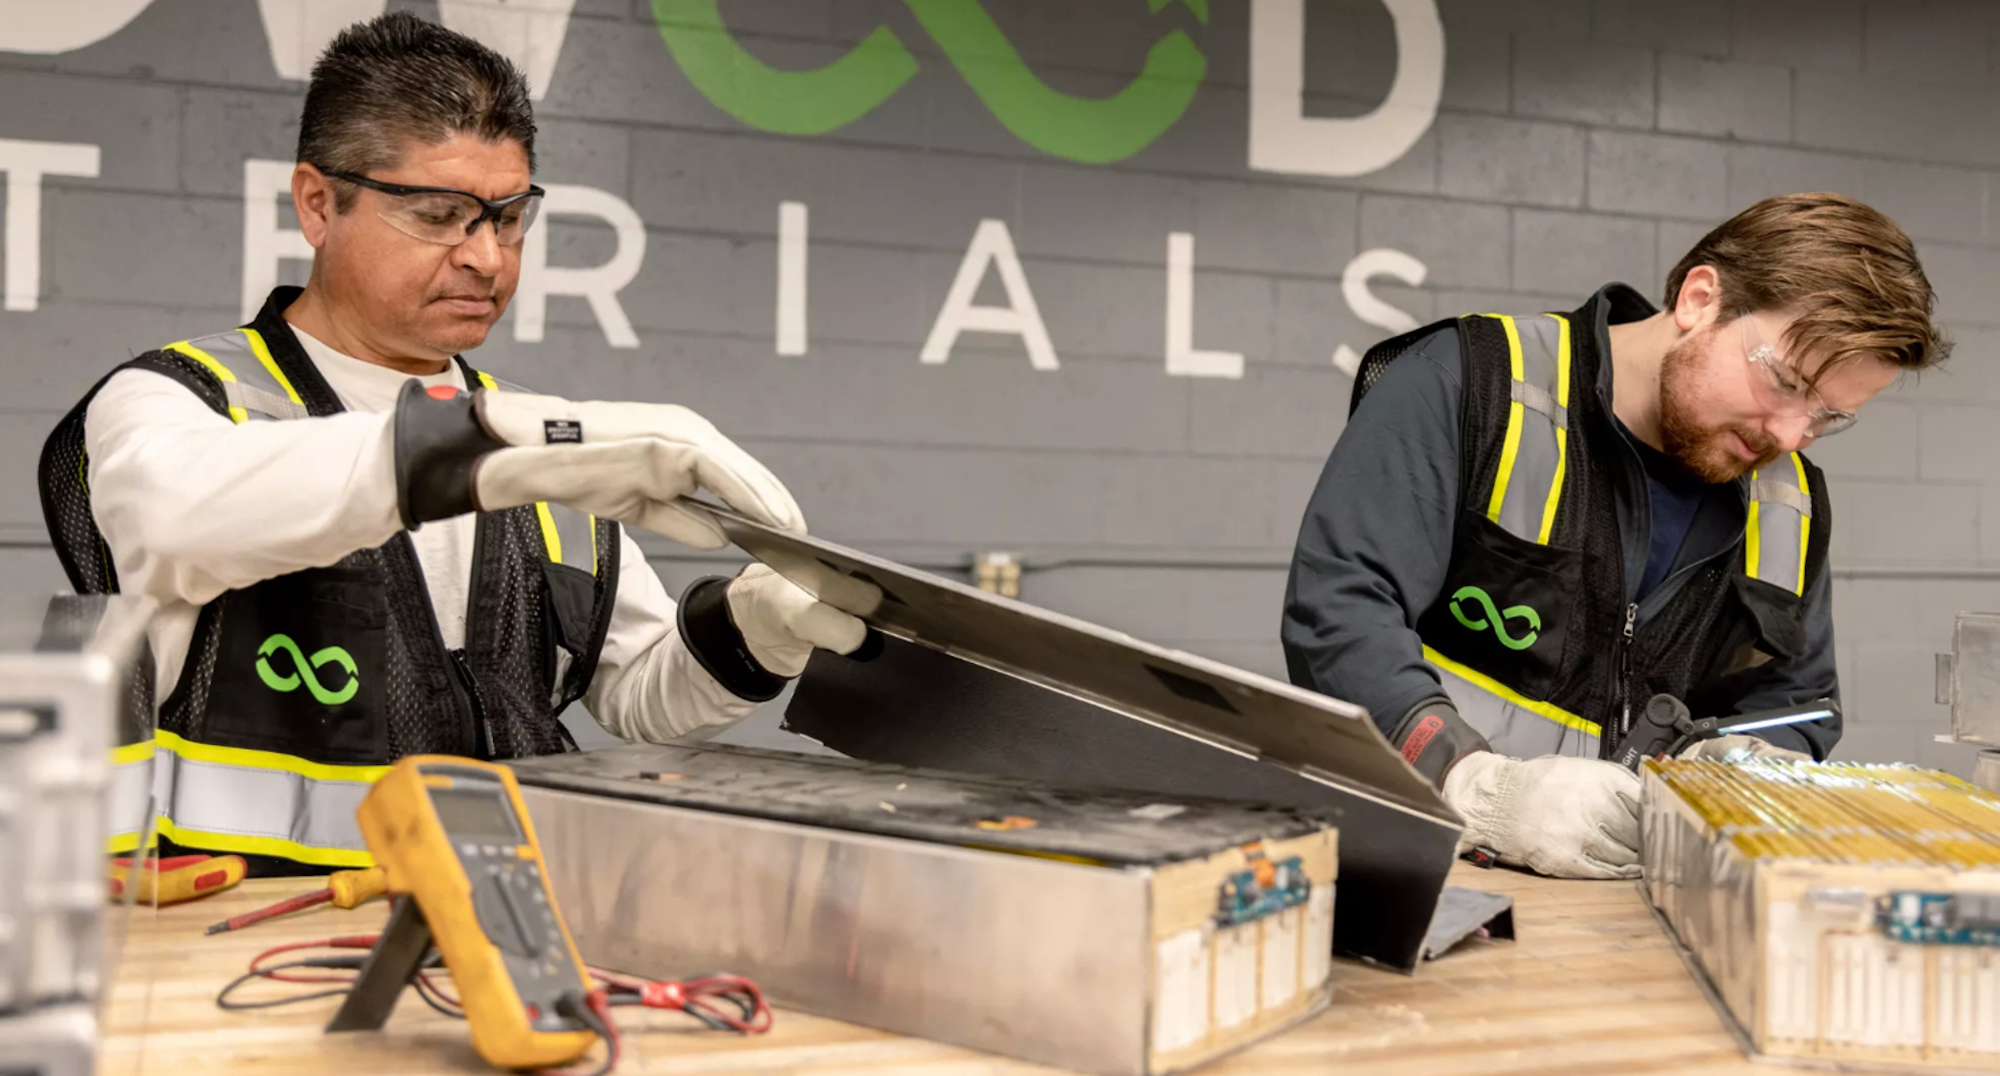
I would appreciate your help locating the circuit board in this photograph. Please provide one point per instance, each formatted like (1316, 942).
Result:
(1265, 888)
(1940, 918)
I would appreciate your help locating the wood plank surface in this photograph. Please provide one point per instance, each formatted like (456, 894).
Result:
(1591, 986)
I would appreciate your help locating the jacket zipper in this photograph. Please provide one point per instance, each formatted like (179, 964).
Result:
(482, 728)
(1625, 675)
(483, 731)
(1654, 602)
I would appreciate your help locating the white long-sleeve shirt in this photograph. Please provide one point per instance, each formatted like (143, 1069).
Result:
(192, 505)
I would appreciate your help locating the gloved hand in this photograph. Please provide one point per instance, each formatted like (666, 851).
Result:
(1736, 747)
(1556, 815)
(756, 631)
(487, 450)
(781, 623)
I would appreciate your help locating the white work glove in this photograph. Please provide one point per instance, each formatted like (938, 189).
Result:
(636, 460)
(1556, 815)
(781, 623)
(1737, 747)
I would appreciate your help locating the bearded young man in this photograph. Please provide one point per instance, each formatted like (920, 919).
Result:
(1531, 525)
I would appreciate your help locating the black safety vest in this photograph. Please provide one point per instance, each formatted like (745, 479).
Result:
(1531, 634)
(298, 691)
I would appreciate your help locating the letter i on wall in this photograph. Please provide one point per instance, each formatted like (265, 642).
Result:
(791, 327)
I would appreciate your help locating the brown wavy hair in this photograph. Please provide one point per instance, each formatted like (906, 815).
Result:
(1848, 272)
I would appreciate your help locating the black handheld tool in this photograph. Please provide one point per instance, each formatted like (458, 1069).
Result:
(1664, 727)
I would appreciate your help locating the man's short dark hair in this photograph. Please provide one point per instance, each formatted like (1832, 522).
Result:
(396, 79)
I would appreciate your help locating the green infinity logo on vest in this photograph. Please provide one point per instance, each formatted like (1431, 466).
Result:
(303, 671)
(1087, 129)
(1497, 618)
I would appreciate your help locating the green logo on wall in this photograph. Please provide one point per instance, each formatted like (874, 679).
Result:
(303, 672)
(1497, 618)
(1087, 129)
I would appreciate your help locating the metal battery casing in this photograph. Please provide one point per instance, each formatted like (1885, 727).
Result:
(75, 768)
(960, 680)
(1969, 679)
(869, 893)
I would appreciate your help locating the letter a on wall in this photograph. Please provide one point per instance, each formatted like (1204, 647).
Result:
(991, 246)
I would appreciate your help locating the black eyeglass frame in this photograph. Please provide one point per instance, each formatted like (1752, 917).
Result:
(488, 210)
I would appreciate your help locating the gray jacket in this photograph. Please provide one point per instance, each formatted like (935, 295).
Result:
(1377, 536)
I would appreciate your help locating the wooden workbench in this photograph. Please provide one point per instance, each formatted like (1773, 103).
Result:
(1592, 986)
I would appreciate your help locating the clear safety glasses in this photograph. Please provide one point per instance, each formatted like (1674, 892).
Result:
(1780, 387)
(448, 216)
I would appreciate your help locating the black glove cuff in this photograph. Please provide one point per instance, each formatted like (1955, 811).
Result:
(717, 643)
(1432, 738)
(438, 440)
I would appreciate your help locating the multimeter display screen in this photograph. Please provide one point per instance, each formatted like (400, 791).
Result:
(475, 814)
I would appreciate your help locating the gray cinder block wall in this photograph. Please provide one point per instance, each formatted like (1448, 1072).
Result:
(1574, 141)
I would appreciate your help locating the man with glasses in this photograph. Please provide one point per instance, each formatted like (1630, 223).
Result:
(363, 547)
(1534, 524)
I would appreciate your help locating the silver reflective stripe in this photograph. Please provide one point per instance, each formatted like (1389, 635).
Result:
(1780, 521)
(576, 531)
(1534, 399)
(261, 404)
(1529, 481)
(1768, 492)
(1513, 729)
(257, 388)
(261, 803)
(130, 796)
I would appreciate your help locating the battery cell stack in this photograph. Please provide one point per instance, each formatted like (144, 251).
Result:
(1841, 913)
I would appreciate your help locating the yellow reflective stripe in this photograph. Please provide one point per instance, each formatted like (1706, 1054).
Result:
(236, 414)
(1562, 431)
(267, 760)
(1805, 520)
(264, 760)
(1752, 548)
(264, 846)
(596, 565)
(1511, 447)
(1486, 683)
(132, 752)
(121, 842)
(263, 354)
(550, 538)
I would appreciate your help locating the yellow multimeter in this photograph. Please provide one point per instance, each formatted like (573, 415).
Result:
(462, 861)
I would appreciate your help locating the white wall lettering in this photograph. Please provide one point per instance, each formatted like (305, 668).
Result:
(297, 31)
(600, 284)
(1182, 358)
(1284, 139)
(792, 230)
(46, 26)
(528, 32)
(25, 164)
(266, 241)
(1380, 261)
(991, 246)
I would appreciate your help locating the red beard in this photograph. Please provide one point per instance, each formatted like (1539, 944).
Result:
(1705, 451)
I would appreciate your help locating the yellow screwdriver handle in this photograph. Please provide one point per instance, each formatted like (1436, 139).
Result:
(353, 887)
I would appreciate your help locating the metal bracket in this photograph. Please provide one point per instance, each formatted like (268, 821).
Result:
(398, 954)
